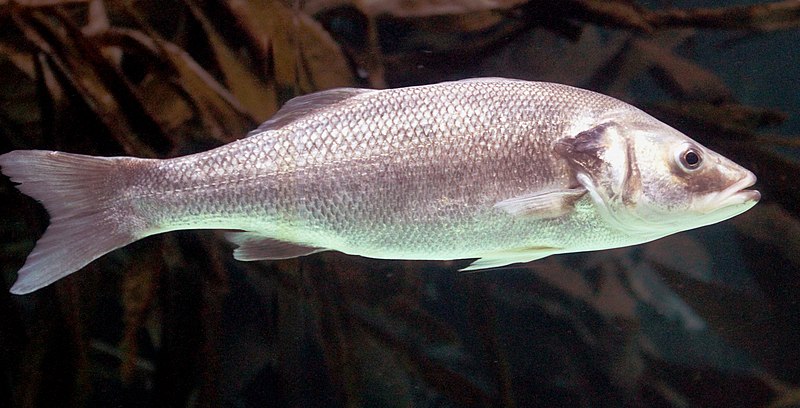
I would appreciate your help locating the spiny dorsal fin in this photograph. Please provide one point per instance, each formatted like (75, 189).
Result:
(304, 105)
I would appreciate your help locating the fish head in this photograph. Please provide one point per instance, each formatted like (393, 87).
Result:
(650, 180)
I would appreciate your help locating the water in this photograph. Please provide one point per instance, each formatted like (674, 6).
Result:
(703, 318)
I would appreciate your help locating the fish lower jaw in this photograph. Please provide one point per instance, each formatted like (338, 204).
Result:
(743, 197)
(735, 195)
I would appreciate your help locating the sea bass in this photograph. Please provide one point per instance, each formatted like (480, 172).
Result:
(502, 170)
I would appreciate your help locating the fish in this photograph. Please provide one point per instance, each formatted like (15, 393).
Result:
(502, 171)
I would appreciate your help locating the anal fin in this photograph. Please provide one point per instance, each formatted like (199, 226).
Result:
(252, 246)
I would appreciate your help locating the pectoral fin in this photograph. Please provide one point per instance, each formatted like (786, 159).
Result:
(253, 246)
(548, 204)
(509, 257)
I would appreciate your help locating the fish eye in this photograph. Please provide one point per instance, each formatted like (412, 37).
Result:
(691, 159)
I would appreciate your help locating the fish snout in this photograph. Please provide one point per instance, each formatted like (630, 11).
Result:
(748, 181)
(733, 195)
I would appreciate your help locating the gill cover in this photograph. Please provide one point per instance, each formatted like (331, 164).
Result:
(604, 163)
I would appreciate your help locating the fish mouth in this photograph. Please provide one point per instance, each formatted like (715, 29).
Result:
(735, 194)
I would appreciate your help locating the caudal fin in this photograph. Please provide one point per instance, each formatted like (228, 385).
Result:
(81, 194)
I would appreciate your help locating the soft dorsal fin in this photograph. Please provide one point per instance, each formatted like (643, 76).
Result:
(487, 80)
(303, 105)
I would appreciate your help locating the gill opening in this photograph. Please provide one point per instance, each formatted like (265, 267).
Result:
(621, 209)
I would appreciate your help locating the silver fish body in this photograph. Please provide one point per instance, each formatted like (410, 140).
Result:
(502, 170)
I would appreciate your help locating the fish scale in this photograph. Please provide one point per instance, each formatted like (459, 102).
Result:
(502, 170)
(388, 200)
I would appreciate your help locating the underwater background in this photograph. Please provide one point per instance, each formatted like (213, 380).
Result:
(708, 317)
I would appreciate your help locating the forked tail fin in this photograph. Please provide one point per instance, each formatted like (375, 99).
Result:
(88, 218)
